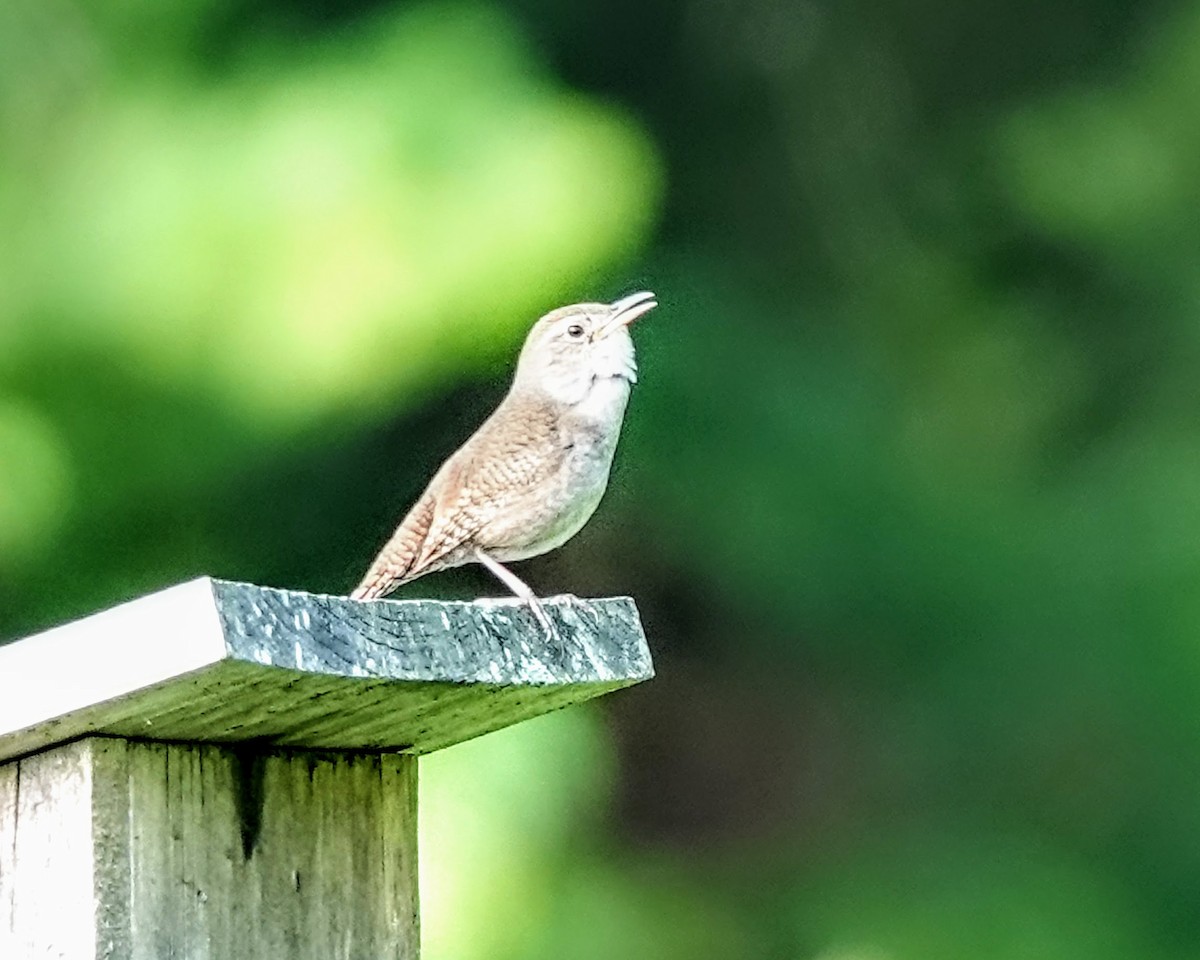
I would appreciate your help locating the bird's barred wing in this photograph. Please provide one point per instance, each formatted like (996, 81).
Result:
(496, 478)
(494, 471)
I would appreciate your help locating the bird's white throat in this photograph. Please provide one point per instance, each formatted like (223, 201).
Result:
(605, 400)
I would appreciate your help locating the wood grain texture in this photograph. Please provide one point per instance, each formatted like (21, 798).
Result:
(215, 661)
(46, 904)
(9, 798)
(123, 850)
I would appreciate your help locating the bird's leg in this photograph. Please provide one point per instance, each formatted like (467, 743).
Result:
(520, 588)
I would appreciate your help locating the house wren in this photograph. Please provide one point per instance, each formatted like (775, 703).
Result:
(533, 474)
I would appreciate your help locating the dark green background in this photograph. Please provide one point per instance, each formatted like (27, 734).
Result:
(909, 493)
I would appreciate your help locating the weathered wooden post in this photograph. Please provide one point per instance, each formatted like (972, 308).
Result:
(226, 771)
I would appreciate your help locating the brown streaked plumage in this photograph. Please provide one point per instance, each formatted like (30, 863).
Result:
(532, 475)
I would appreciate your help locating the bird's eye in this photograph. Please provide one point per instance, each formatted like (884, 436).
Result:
(575, 331)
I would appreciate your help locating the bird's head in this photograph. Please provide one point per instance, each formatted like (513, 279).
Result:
(572, 348)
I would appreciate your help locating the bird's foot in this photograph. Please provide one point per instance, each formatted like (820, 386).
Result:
(588, 608)
(543, 619)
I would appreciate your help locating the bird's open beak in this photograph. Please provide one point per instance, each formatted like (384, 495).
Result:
(626, 310)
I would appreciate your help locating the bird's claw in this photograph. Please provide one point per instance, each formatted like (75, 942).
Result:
(588, 608)
(544, 621)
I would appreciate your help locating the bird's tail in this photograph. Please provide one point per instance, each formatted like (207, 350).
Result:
(397, 561)
(390, 569)
(374, 586)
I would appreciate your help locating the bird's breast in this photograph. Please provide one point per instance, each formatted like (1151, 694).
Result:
(568, 498)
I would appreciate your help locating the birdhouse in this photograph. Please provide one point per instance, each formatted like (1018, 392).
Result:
(227, 771)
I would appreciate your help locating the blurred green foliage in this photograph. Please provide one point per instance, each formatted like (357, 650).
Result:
(910, 489)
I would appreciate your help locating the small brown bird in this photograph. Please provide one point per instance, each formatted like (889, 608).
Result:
(531, 476)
